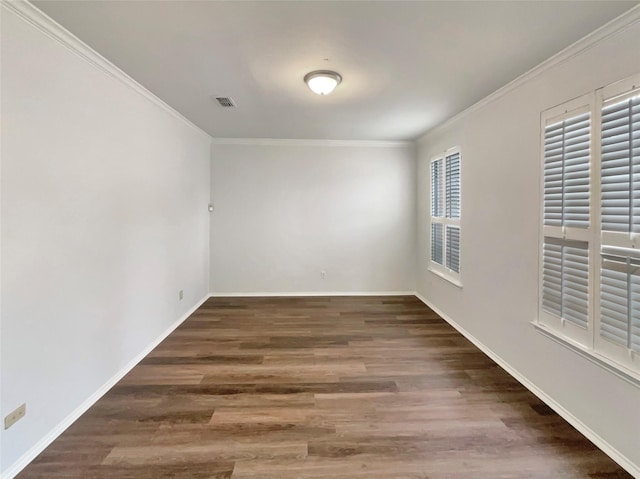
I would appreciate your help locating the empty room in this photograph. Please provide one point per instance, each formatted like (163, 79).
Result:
(319, 239)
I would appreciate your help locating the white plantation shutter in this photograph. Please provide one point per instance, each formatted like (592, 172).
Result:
(635, 164)
(552, 278)
(575, 283)
(452, 190)
(613, 302)
(634, 289)
(437, 211)
(620, 298)
(553, 174)
(437, 198)
(566, 209)
(620, 166)
(619, 295)
(576, 171)
(565, 280)
(590, 236)
(453, 248)
(437, 242)
(566, 172)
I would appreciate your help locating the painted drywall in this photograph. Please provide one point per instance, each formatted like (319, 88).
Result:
(287, 210)
(500, 147)
(104, 220)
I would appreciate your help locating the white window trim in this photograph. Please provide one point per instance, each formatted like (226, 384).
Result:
(441, 270)
(615, 358)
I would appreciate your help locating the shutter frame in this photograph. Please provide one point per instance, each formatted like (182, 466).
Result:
(567, 171)
(566, 218)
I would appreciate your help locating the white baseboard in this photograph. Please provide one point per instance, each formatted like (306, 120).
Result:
(40, 446)
(310, 293)
(607, 448)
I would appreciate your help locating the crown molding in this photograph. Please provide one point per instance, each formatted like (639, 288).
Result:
(45, 24)
(609, 29)
(312, 142)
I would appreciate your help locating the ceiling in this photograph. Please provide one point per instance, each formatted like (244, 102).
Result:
(406, 66)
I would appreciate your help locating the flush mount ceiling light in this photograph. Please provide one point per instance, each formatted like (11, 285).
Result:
(322, 82)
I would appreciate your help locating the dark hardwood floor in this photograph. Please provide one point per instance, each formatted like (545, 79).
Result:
(374, 387)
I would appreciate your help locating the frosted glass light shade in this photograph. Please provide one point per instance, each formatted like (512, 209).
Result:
(322, 82)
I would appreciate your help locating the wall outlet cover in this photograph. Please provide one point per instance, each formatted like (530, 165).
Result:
(15, 415)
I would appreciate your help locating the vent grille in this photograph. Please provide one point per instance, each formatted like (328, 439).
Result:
(225, 102)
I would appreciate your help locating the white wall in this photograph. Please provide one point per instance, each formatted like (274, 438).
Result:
(104, 220)
(500, 212)
(287, 210)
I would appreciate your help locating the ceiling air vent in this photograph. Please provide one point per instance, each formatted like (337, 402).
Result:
(225, 102)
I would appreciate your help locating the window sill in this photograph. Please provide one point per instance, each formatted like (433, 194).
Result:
(620, 371)
(454, 281)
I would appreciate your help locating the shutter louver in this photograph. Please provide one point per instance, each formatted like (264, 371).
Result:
(620, 159)
(437, 200)
(437, 242)
(566, 172)
(453, 248)
(452, 190)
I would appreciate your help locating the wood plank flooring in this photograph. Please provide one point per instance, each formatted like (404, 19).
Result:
(256, 388)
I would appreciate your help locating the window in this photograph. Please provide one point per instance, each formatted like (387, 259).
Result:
(445, 215)
(566, 223)
(590, 247)
(618, 301)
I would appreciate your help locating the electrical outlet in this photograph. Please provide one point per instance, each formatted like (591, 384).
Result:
(181, 294)
(323, 274)
(15, 416)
